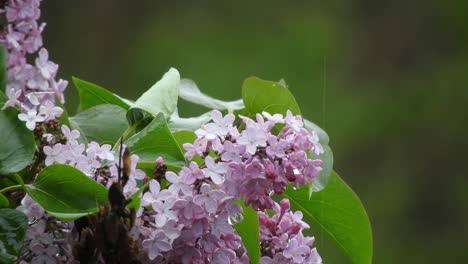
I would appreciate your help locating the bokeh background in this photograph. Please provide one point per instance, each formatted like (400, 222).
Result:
(388, 80)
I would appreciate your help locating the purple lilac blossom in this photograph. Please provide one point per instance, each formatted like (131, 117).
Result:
(32, 88)
(198, 204)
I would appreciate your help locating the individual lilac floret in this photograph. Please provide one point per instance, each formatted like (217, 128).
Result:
(31, 118)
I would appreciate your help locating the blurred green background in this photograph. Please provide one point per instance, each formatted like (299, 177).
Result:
(387, 80)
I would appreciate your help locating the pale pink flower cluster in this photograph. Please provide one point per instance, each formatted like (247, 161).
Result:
(192, 220)
(46, 237)
(281, 237)
(256, 162)
(32, 88)
(97, 161)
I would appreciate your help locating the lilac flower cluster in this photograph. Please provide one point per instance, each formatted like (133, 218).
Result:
(281, 237)
(255, 163)
(96, 161)
(46, 238)
(192, 220)
(32, 88)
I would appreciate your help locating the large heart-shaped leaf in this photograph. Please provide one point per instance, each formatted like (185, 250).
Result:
(156, 140)
(260, 95)
(248, 230)
(18, 146)
(102, 123)
(162, 96)
(66, 193)
(337, 211)
(93, 95)
(13, 226)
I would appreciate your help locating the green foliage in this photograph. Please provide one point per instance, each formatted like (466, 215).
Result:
(156, 140)
(339, 213)
(93, 95)
(248, 230)
(186, 136)
(162, 96)
(327, 167)
(260, 95)
(3, 201)
(138, 119)
(135, 199)
(18, 146)
(3, 97)
(66, 193)
(101, 123)
(13, 226)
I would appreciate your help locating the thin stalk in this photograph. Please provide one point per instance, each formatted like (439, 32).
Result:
(12, 188)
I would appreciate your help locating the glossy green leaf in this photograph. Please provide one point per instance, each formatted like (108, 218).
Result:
(186, 136)
(3, 201)
(162, 96)
(13, 225)
(339, 213)
(327, 167)
(93, 95)
(138, 118)
(156, 140)
(66, 193)
(248, 230)
(102, 123)
(260, 95)
(18, 146)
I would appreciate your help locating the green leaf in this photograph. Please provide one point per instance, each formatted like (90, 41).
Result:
(156, 140)
(18, 146)
(138, 118)
(13, 225)
(66, 193)
(190, 92)
(327, 167)
(3, 72)
(3, 98)
(135, 199)
(260, 95)
(248, 230)
(162, 96)
(93, 95)
(102, 123)
(339, 213)
(3, 201)
(186, 136)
